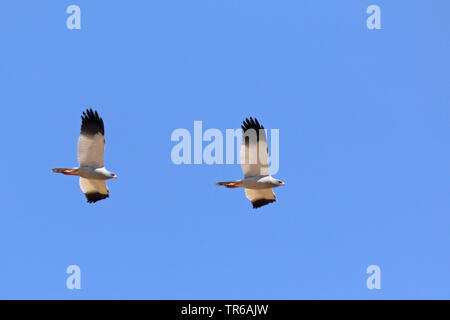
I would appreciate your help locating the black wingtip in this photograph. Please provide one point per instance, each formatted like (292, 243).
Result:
(91, 123)
(251, 124)
(95, 196)
(261, 202)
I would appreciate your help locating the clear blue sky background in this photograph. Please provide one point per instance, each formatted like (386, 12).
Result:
(364, 149)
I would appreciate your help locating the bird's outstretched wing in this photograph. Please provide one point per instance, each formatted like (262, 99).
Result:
(260, 197)
(254, 153)
(94, 190)
(91, 143)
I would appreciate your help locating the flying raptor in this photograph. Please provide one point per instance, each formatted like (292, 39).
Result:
(254, 156)
(91, 149)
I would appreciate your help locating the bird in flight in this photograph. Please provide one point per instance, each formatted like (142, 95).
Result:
(91, 149)
(254, 156)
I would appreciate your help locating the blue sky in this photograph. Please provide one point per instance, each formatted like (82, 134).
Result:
(364, 149)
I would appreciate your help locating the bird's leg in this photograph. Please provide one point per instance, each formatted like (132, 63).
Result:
(71, 172)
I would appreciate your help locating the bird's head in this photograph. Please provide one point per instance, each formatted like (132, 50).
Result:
(277, 182)
(112, 175)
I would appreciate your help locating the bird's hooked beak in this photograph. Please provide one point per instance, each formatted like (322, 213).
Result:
(282, 183)
(114, 176)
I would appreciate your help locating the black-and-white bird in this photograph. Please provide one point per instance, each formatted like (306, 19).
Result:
(254, 156)
(91, 149)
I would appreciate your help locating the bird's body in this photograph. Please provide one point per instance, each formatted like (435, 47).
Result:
(95, 173)
(258, 182)
(87, 172)
(91, 146)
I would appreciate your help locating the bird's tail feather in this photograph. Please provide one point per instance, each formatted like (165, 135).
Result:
(229, 184)
(224, 183)
(60, 170)
(66, 171)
